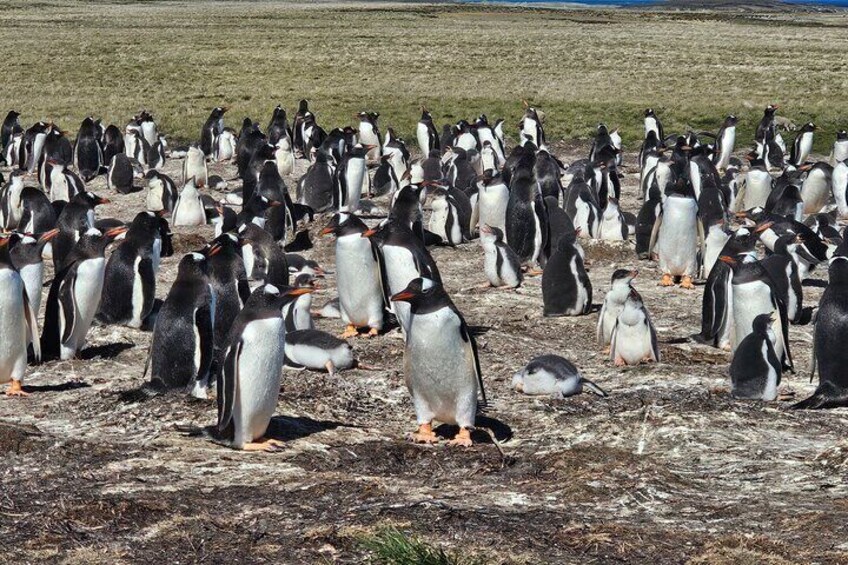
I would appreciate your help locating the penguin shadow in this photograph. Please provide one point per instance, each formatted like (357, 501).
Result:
(301, 242)
(806, 316)
(63, 387)
(500, 430)
(105, 351)
(815, 283)
(288, 428)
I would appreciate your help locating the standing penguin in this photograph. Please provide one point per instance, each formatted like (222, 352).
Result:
(361, 300)
(526, 220)
(181, 350)
(426, 134)
(653, 124)
(634, 338)
(317, 187)
(530, 126)
(278, 127)
(500, 262)
(76, 217)
(803, 145)
(369, 134)
(18, 322)
(11, 206)
(492, 201)
(554, 376)
(816, 189)
(75, 295)
(120, 174)
(441, 366)
(156, 156)
(725, 142)
(620, 287)
(211, 129)
(88, 155)
(839, 153)
(249, 381)
(228, 281)
(225, 146)
(188, 210)
(445, 221)
(129, 286)
(613, 226)
(566, 288)
(194, 166)
(161, 192)
(678, 234)
(783, 271)
(263, 259)
(26, 257)
(755, 369)
(350, 174)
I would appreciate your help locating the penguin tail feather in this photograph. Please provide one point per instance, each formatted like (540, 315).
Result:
(195, 431)
(592, 387)
(141, 394)
(825, 396)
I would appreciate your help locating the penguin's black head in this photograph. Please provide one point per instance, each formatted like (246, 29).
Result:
(623, 276)
(303, 106)
(359, 151)
(418, 291)
(649, 113)
(731, 120)
(144, 224)
(272, 296)
(89, 199)
(771, 109)
(838, 270)
(195, 265)
(841, 135)
(602, 129)
(763, 322)
(497, 233)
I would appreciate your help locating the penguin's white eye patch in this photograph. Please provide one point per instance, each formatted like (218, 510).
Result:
(427, 284)
(271, 289)
(197, 256)
(93, 232)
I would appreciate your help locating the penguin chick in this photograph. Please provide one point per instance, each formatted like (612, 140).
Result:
(620, 287)
(317, 350)
(634, 338)
(500, 263)
(441, 366)
(552, 375)
(755, 369)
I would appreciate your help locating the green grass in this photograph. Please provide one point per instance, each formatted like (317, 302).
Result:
(179, 59)
(391, 546)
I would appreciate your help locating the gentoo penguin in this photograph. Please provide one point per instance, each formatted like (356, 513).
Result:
(829, 352)
(224, 149)
(566, 288)
(297, 313)
(361, 299)
(228, 281)
(755, 369)
(297, 128)
(8, 129)
(156, 157)
(634, 338)
(119, 177)
(284, 157)
(26, 257)
(653, 124)
(188, 210)
(441, 367)
(725, 142)
(75, 295)
(213, 127)
(548, 171)
(766, 125)
(88, 154)
(11, 153)
(839, 184)
(552, 375)
(839, 152)
(613, 226)
(530, 126)
(135, 146)
(278, 127)
(816, 189)
(263, 259)
(620, 286)
(783, 271)
(317, 350)
(492, 201)
(147, 126)
(11, 206)
(803, 145)
(76, 217)
(181, 349)
(129, 285)
(526, 219)
(317, 187)
(385, 179)
(249, 381)
(18, 321)
(161, 192)
(350, 174)
(500, 263)
(716, 238)
(369, 134)
(113, 143)
(426, 134)
(194, 166)
(582, 207)
(755, 293)
(403, 258)
(678, 234)
(445, 219)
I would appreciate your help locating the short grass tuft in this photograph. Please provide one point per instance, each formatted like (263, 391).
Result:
(391, 546)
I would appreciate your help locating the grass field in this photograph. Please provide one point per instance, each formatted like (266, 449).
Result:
(66, 60)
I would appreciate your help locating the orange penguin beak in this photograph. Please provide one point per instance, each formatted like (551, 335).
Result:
(728, 260)
(763, 227)
(369, 233)
(300, 290)
(115, 232)
(213, 250)
(403, 296)
(48, 235)
(327, 231)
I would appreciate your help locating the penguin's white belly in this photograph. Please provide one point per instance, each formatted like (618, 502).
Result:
(439, 374)
(137, 296)
(33, 278)
(632, 342)
(302, 315)
(839, 182)
(749, 301)
(715, 243)
(259, 367)
(249, 259)
(677, 242)
(285, 162)
(770, 391)
(610, 228)
(815, 192)
(439, 217)
(313, 357)
(757, 191)
(609, 314)
(493, 201)
(355, 175)
(155, 201)
(466, 141)
(806, 147)
(400, 269)
(728, 141)
(537, 234)
(189, 211)
(358, 282)
(13, 327)
(582, 294)
(422, 134)
(529, 130)
(87, 291)
(490, 265)
(840, 152)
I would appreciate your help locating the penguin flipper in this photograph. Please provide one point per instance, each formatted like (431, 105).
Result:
(825, 396)
(204, 321)
(67, 303)
(813, 358)
(228, 378)
(594, 388)
(655, 345)
(471, 343)
(31, 318)
(655, 233)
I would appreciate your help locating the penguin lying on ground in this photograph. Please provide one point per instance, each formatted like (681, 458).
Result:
(552, 375)
(317, 350)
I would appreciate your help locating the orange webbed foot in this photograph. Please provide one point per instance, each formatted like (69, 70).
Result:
(350, 331)
(462, 438)
(687, 283)
(267, 445)
(15, 389)
(425, 434)
(667, 280)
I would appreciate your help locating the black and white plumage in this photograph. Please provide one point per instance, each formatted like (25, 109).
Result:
(634, 338)
(614, 300)
(317, 351)
(500, 263)
(566, 288)
(552, 375)
(755, 369)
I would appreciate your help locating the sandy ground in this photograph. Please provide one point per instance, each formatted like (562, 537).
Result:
(668, 468)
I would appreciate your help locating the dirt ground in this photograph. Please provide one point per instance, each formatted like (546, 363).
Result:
(668, 469)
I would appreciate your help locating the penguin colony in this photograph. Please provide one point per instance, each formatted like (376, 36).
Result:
(240, 309)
